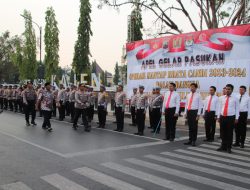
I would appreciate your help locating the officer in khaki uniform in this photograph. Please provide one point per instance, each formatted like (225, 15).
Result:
(72, 102)
(141, 107)
(82, 100)
(10, 98)
(102, 106)
(120, 102)
(156, 106)
(151, 97)
(5, 97)
(1, 97)
(132, 106)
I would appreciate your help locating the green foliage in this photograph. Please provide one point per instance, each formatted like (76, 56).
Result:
(51, 41)
(116, 75)
(8, 69)
(135, 25)
(29, 50)
(81, 63)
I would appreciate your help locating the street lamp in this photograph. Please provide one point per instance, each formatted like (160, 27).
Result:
(40, 30)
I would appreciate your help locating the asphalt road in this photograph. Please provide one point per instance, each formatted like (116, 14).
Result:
(31, 158)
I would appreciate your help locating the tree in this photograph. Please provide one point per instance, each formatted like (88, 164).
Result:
(81, 63)
(51, 41)
(93, 67)
(116, 75)
(29, 49)
(135, 25)
(8, 69)
(103, 77)
(212, 13)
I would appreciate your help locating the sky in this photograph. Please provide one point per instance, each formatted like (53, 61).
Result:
(109, 27)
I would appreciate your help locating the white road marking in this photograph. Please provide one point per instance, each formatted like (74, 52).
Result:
(105, 179)
(220, 153)
(62, 183)
(200, 169)
(236, 151)
(185, 175)
(208, 162)
(212, 157)
(146, 177)
(15, 186)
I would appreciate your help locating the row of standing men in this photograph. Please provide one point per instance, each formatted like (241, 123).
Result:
(231, 111)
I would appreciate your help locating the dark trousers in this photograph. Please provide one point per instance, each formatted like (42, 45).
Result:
(133, 114)
(46, 118)
(15, 105)
(10, 102)
(119, 118)
(140, 118)
(30, 109)
(54, 109)
(1, 103)
(78, 113)
(67, 108)
(150, 118)
(192, 124)
(156, 119)
(102, 113)
(91, 112)
(227, 126)
(210, 124)
(61, 110)
(72, 110)
(5, 102)
(170, 123)
(241, 128)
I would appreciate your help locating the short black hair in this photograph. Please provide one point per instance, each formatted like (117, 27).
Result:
(230, 86)
(213, 87)
(224, 87)
(81, 84)
(174, 85)
(244, 87)
(47, 83)
(194, 84)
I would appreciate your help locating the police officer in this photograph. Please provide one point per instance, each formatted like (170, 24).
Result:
(156, 110)
(150, 99)
(82, 100)
(5, 97)
(45, 100)
(61, 97)
(141, 107)
(29, 101)
(10, 98)
(19, 99)
(67, 107)
(72, 102)
(120, 102)
(170, 108)
(1, 96)
(55, 94)
(102, 102)
(91, 109)
(14, 98)
(132, 106)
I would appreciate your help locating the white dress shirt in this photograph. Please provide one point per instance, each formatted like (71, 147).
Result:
(174, 101)
(233, 106)
(196, 103)
(244, 103)
(214, 104)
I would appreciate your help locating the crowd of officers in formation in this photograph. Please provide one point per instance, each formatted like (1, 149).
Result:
(230, 110)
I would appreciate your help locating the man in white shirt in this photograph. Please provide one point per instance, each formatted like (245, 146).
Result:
(192, 112)
(241, 127)
(210, 113)
(229, 115)
(170, 109)
(132, 106)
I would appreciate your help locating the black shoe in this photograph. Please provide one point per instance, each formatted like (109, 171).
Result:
(236, 144)
(229, 150)
(33, 123)
(221, 149)
(87, 129)
(120, 130)
(27, 124)
(141, 134)
(60, 119)
(136, 133)
(242, 146)
(210, 140)
(188, 143)
(171, 140)
(193, 143)
(205, 140)
(152, 131)
(50, 129)
(150, 127)
(99, 126)
(115, 129)
(166, 139)
(75, 127)
(44, 128)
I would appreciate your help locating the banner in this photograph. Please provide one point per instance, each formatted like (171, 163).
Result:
(210, 57)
